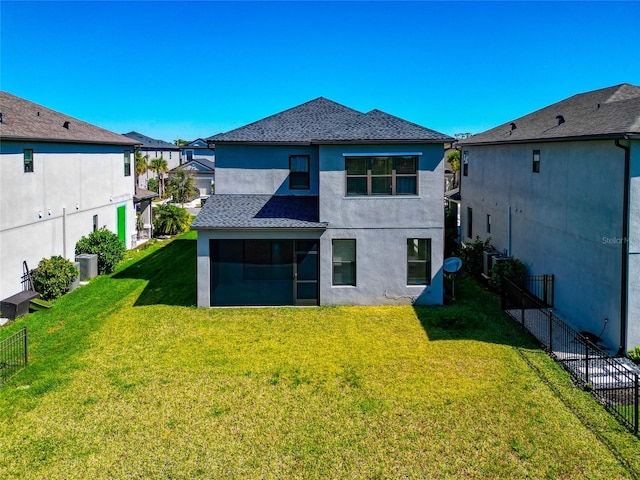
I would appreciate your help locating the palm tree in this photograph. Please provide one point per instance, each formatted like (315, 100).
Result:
(160, 167)
(181, 185)
(170, 220)
(142, 165)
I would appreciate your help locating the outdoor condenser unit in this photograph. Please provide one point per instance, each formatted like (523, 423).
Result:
(487, 261)
(88, 265)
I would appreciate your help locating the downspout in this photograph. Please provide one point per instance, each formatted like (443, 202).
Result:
(624, 276)
(64, 232)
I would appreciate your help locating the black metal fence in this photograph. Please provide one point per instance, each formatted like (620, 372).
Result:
(540, 286)
(13, 355)
(613, 381)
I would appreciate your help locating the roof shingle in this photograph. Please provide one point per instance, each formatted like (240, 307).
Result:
(148, 142)
(612, 111)
(322, 120)
(259, 211)
(25, 120)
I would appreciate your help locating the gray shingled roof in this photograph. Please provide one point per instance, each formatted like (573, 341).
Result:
(258, 211)
(322, 120)
(608, 112)
(152, 143)
(25, 120)
(143, 194)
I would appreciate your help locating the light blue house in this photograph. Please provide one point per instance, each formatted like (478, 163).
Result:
(559, 188)
(324, 205)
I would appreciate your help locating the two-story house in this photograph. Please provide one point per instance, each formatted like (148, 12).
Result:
(60, 178)
(560, 189)
(154, 148)
(324, 205)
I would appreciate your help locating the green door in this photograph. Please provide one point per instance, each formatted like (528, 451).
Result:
(122, 222)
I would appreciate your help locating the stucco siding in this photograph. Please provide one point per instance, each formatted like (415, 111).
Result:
(254, 169)
(424, 210)
(381, 268)
(45, 212)
(634, 247)
(565, 220)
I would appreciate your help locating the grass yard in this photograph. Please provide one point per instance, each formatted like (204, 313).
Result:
(128, 380)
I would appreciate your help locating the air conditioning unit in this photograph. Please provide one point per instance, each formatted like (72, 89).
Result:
(499, 258)
(88, 265)
(487, 261)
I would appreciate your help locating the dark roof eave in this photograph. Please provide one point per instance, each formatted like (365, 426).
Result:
(319, 228)
(138, 199)
(65, 140)
(254, 142)
(575, 138)
(383, 141)
(334, 142)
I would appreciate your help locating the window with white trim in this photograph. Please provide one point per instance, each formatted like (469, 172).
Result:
(344, 261)
(381, 175)
(418, 261)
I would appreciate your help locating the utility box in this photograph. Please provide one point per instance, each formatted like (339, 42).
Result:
(88, 265)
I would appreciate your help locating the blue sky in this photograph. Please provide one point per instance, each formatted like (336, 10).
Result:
(193, 69)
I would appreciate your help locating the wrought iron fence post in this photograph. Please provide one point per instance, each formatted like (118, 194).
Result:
(26, 355)
(544, 289)
(522, 312)
(586, 361)
(636, 393)
(550, 331)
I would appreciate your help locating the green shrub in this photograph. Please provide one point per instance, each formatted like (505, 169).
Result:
(472, 256)
(634, 355)
(53, 277)
(170, 220)
(106, 245)
(152, 185)
(510, 268)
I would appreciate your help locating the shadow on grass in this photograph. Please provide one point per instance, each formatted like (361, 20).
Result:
(474, 315)
(170, 273)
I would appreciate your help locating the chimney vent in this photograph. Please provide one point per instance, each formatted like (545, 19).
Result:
(560, 119)
(66, 125)
(1, 115)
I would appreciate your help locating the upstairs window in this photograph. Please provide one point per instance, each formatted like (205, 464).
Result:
(28, 161)
(127, 163)
(465, 163)
(299, 172)
(418, 261)
(536, 161)
(382, 175)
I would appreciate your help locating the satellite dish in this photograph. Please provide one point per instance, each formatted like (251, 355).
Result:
(452, 265)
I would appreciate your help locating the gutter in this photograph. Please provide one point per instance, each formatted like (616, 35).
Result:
(574, 138)
(624, 276)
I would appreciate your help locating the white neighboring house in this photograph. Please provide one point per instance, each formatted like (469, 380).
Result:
(154, 148)
(203, 172)
(60, 179)
(198, 149)
(560, 189)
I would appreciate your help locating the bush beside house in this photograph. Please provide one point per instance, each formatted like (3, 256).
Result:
(53, 277)
(106, 245)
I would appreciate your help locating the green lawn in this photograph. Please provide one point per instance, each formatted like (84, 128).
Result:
(128, 380)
